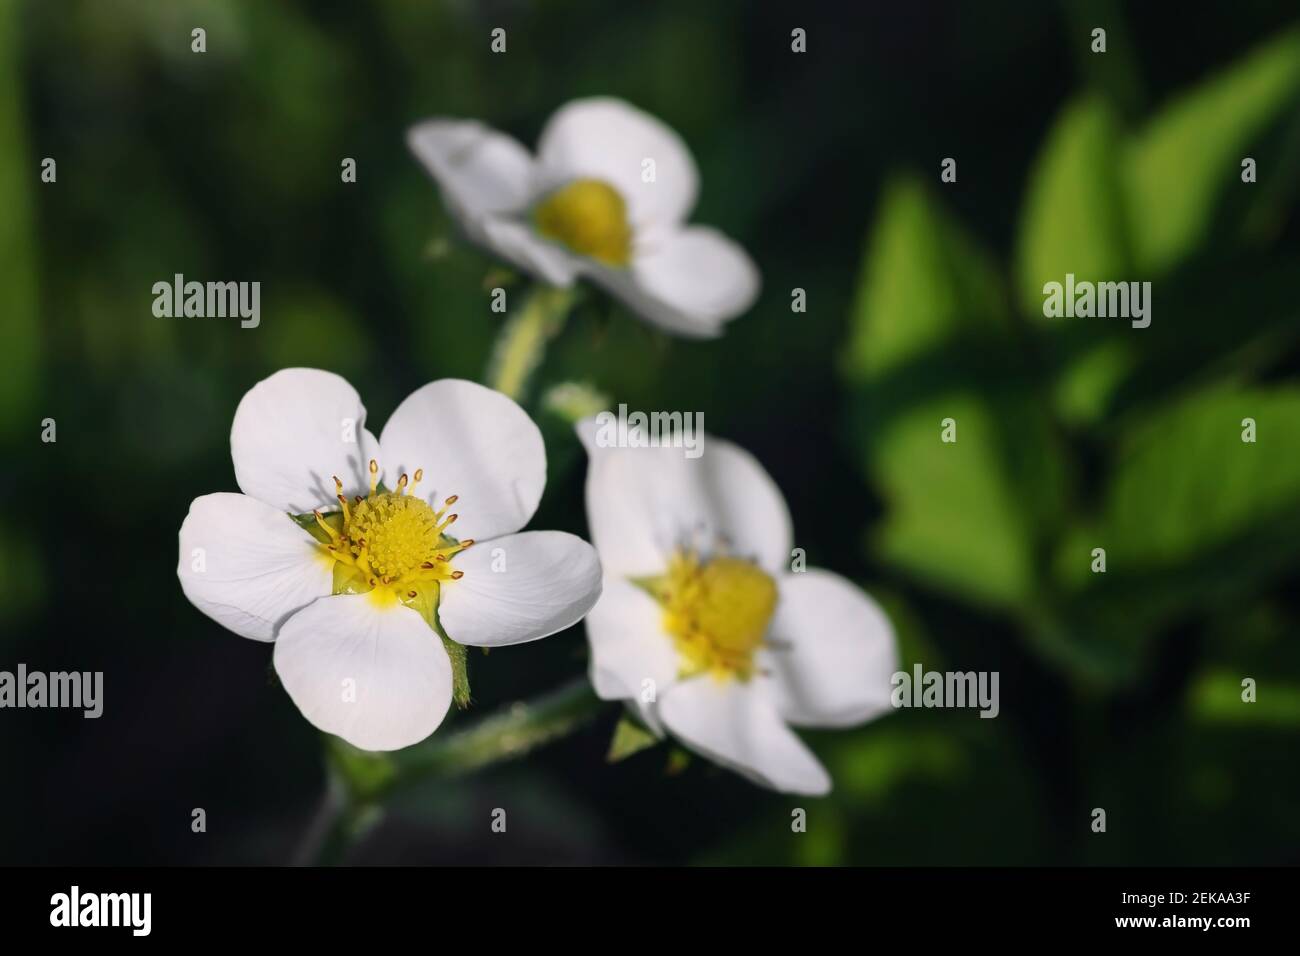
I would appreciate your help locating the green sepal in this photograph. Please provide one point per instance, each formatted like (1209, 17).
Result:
(655, 585)
(308, 523)
(427, 604)
(630, 737)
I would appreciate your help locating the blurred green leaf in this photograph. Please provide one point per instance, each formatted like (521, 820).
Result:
(1179, 168)
(1073, 221)
(1185, 480)
(922, 281)
(961, 515)
(1073, 214)
(954, 517)
(1215, 697)
(305, 326)
(1193, 518)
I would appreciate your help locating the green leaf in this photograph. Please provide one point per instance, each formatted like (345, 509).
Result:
(961, 515)
(1180, 168)
(629, 738)
(1193, 518)
(1073, 218)
(922, 281)
(1185, 481)
(954, 519)
(1073, 222)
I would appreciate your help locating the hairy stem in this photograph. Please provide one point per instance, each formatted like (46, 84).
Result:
(522, 342)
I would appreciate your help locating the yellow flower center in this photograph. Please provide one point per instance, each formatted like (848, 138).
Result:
(717, 612)
(590, 217)
(391, 544)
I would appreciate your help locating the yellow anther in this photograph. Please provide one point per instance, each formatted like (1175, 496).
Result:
(393, 539)
(717, 612)
(590, 217)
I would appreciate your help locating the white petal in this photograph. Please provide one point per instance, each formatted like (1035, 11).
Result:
(608, 139)
(248, 566)
(519, 588)
(519, 244)
(487, 182)
(644, 504)
(691, 283)
(833, 652)
(629, 646)
(480, 171)
(472, 442)
(293, 432)
(737, 725)
(376, 676)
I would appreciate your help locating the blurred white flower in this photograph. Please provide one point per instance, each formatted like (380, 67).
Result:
(606, 198)
(703, 627)
(350, 607)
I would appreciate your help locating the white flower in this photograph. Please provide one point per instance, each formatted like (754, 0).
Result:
(703, 628)
(605, 198)
(350, 606)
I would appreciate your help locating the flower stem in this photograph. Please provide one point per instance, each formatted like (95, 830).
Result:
(359, 781)
(522, 341)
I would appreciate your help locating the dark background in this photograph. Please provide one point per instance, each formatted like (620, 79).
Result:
(1121, 694)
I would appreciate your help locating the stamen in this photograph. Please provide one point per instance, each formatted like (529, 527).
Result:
(393, 539)
(320, 520)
